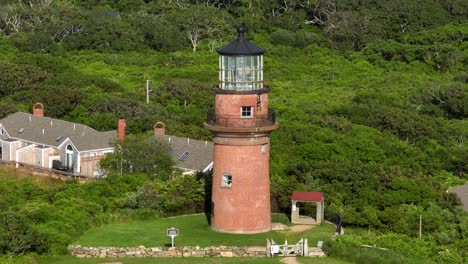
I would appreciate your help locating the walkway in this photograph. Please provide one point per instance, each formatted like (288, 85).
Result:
(290, 260)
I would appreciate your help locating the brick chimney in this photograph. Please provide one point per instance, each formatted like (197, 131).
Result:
(38, 109)
(159, 128)
(121, 130)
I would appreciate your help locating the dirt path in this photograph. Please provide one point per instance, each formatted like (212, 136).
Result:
(300, 228)
(289, 260)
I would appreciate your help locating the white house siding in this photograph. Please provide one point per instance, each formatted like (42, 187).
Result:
(9, 150)
(42, 156)
(90, 165)
(26, 155)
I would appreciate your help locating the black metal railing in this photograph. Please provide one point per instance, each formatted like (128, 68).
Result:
(238, 121)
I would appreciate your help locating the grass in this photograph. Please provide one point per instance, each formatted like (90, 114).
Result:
(194, 231)
(21, 175)
(325, 260)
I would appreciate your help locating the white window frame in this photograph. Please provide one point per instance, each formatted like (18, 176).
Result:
(244, 109)
(226, 180)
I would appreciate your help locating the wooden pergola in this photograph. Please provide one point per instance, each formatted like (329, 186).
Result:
(307, 197)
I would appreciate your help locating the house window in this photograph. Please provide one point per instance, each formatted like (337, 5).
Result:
(264, 148)
(69, 157)
(1, 131)
(226, 180)
(246, 111)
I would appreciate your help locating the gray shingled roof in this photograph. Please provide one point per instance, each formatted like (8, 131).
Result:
(53, 132)
(462, 192)
(200, 152)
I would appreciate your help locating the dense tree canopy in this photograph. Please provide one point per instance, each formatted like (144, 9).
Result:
(371, 97)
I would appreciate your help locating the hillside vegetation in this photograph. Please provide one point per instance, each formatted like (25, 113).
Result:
(371, 97)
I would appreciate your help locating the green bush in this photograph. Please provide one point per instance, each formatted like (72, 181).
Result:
(351, 249)
(297, 39)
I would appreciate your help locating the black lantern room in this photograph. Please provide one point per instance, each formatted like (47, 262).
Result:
(241, 65)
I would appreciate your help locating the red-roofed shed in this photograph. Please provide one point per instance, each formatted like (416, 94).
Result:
(312, 197)
(307, 196)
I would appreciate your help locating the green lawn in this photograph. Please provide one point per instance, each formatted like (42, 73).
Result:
(325, 260)
(194, 231)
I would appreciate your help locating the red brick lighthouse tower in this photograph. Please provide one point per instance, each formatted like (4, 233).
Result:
(241, 124)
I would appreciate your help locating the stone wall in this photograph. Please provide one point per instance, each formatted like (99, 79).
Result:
(144, 252)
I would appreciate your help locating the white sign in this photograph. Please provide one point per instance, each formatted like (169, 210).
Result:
(172, 232)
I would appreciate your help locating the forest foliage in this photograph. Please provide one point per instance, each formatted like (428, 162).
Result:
(371, 96)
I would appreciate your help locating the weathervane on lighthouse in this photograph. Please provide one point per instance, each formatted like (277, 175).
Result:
(241, 124)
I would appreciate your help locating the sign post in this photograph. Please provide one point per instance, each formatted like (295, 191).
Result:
(172, 232)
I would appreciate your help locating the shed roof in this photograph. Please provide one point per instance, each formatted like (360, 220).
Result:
(53, 132)
(307, 196)
(241, 46)
(200, 153)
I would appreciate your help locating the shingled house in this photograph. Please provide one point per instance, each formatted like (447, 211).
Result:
(189, 154)
(33, 139)
(39, 141)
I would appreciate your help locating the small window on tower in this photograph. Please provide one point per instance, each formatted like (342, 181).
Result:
(226, 180)
(247, 111)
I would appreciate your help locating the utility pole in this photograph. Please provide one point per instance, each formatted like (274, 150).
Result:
(148, 90)
(420, 226)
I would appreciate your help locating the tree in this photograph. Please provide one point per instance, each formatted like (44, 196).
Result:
(16, 235)
(10, 19)
(7, 107)
(200, 22)
(140, 154)
(19, 77)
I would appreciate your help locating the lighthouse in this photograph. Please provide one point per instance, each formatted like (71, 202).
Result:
(241, 123)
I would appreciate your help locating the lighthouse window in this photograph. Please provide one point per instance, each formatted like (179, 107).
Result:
(246, 111)
(226, 180)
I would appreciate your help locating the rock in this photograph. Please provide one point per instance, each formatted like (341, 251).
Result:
(257, 249)
(171, 253)
(227, 254)
(102, 254)
(279, 227)
(198, 253)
